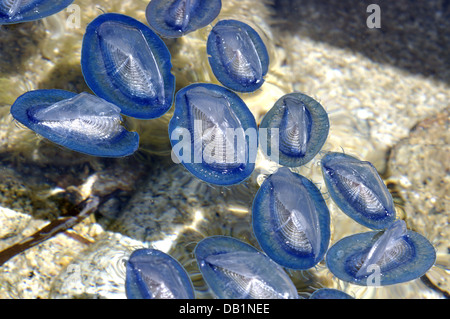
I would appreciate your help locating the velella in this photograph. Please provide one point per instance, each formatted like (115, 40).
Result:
(175, 18)
(388, 257)
(358, 190)
(291, 220)
(153, 274)
(124, 62)
(17, 11)
(237, 55)
(81, 122)
(235, 270)
(302, 126)
(213, 134)
(329, 293)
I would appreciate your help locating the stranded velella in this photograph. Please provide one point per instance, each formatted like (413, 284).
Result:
(175, 18)
(291, 220)
(382, 258)
(237, 55)
(301, 126)
(236, 270)
(213, 134)
(16, 11)
(124, 62)
(153, 274)
(81, 122)
(329, 293)
(357, 188)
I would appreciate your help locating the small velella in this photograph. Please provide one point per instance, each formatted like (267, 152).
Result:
(124, 62)
(237, 55)
(329, 293)
(301, 126)
(153, 274)
(81, 122)
(17, 11)
(381, 258)
(175, 18)
(213, 134)
(357, 188)
(236, 270)
(291, 220)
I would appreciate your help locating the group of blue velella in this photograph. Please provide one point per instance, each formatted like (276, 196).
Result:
(128, 67)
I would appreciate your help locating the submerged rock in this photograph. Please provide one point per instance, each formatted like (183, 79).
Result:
(419, 168)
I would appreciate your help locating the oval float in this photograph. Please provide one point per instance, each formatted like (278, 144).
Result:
(152, 274)
(236, 270)
(237, 55)
(301, 125)
(358, 190)
(381, 258)
(81, 122)
(175, 18)
(124, 62)
(213, 134)
(17, 11)
(291, 220)
(329, 293)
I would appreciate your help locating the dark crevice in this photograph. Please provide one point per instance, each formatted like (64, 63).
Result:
(414, 35)
(432, 286)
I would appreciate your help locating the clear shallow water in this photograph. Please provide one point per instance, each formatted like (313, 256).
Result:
(385, 91)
